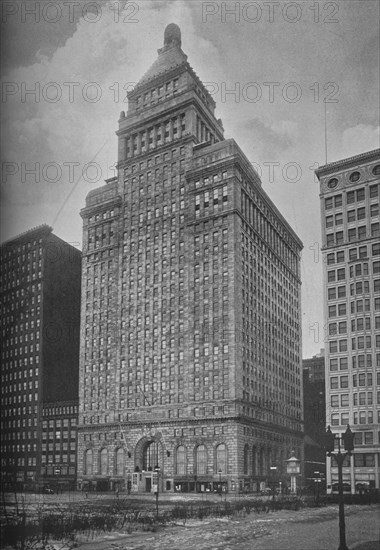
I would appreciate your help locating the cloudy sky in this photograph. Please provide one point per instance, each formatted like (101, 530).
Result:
(66, 65)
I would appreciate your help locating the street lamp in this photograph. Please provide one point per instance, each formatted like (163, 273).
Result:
(293, 468)
(157, 470)
(347, 439)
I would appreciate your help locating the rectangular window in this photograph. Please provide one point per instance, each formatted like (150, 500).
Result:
(331, 276)
(343, 363)
(335, 401)
(333, 346)
(331, 293)
(332, 311)
(341, 274)
(352, 254)
(342, 345)
(342, 308)
(341, 291)
(342, 327)
(333, 364)
(375, 229)
(340, 256)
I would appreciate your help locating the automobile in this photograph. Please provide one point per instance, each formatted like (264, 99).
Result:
(346, 488)
(48, 491)
(362, 488)
(266, 491)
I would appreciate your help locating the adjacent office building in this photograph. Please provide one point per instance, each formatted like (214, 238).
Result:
(314, 399)
(190, 365)
(40, 300)
(351, 253)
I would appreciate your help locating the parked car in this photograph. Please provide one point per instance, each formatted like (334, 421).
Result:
(48, 491)
(362, 488)
(346, 488)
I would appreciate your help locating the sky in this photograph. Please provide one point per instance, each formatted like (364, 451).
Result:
(275, 69)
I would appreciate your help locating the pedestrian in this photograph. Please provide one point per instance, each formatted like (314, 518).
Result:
(117, 493)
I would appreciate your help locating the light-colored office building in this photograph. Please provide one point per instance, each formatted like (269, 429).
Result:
(351, 255)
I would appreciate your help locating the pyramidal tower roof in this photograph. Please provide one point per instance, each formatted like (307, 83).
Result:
(169, 56)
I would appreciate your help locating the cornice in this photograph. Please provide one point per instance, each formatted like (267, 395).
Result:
(346, 163)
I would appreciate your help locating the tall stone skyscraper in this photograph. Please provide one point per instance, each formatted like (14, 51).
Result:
(191, 360)
(351, 253)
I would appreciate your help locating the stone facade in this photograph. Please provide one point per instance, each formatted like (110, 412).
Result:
(190, 360)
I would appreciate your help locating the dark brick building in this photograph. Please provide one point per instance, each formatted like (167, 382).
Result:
(314, 397)
(190, 360)
(40, 300)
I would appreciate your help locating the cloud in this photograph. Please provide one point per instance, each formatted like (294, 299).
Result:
(359, 139)
(274, 137)
(71, 118)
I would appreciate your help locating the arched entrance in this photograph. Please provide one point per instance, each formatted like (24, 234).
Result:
(149, 466)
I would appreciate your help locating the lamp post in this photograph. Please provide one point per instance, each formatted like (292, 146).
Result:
(293, 468)
(157, 470)
(347, 439)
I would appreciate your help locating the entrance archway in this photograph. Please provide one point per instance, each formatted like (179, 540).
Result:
(149, 455)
